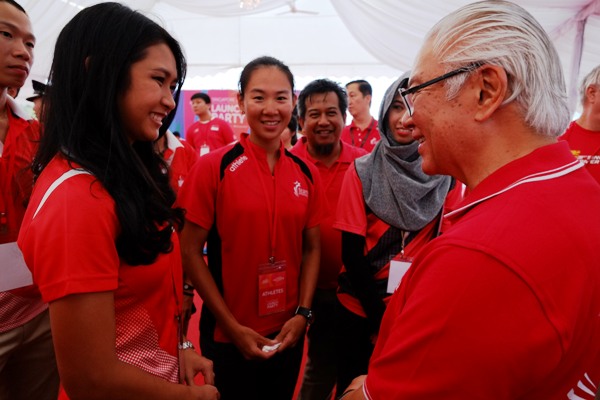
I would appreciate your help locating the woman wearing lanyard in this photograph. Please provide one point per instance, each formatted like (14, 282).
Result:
(255, 205)
(390, 207)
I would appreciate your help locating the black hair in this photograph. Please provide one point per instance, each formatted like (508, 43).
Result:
(363, 86)
(14, 4)
(202, 96)
(260, 62)
(90, 73)
(322, 86)
(293, 126)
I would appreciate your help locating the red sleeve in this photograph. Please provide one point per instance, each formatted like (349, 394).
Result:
(454, 330)
(198, 194)
(351, 214)
(71, 241)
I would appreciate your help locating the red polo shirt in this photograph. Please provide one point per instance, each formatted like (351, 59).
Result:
(332, 178)
(506, 303)
(365, 139)
(232, 193)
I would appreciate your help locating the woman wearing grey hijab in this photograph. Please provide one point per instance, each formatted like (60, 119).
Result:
(388, 208)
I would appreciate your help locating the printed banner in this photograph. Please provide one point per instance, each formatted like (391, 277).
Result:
(223, 105)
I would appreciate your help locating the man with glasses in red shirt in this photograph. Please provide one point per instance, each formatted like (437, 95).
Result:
(505, 304)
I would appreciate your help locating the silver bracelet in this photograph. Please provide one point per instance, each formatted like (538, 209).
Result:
(186, 345)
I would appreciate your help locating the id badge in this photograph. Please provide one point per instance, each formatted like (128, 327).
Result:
(204, 149)
(398, 267)
(271, 288)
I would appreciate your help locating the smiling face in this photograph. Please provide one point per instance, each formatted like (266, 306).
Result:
(323, 122)
(16, 46)
(438, 123)
(268, 103)
(400, 133)
(149, 97)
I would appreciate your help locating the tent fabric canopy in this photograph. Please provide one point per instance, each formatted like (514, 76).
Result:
(345, 38)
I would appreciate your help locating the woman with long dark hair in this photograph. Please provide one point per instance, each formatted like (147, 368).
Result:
(99, 231)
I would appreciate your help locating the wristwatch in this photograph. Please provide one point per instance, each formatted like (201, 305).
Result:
(305, 312)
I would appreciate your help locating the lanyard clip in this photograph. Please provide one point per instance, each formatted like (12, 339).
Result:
(272, 260)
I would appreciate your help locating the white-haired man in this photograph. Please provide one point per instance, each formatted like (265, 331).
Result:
(505, 304)
(583, 135)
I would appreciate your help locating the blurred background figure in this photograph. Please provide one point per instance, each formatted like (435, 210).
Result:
(362, 131)
(39, 90)
(583, 135)
(27, 363)
(208, 133)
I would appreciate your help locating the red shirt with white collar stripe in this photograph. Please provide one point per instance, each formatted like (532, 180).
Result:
(228, 193)
(69, 246)
(506, 303)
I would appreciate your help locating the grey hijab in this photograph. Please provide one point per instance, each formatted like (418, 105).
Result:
(395, 187)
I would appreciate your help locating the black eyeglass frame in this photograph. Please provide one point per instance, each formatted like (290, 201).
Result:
(415, 89)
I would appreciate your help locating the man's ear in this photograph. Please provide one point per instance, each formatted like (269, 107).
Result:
(492, 88)
(591, 94)
(301, 122)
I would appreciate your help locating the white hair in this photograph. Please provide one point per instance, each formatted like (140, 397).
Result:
(592, 78)
(504, 34)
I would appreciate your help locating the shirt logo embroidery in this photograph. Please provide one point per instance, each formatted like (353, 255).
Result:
(236, 164)
(299, 191)
(586, 389)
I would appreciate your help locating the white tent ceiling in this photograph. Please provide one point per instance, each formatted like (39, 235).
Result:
(345, 39)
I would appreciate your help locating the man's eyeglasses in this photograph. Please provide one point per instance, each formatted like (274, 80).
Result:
(407, 94)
